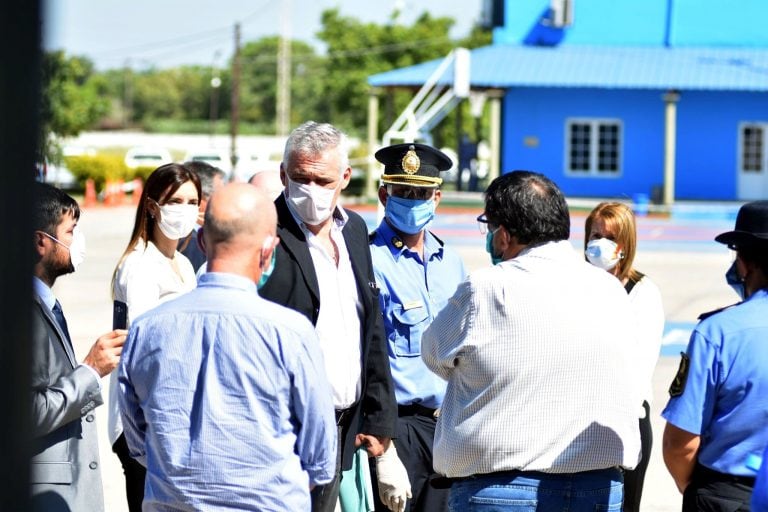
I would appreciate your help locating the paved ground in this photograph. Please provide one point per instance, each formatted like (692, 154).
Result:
(679, 255)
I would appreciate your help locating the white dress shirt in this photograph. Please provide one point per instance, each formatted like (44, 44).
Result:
(338, 323)
(645, 299)
(540, 364)
(145, 279)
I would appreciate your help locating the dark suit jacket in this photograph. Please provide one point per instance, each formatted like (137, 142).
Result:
(192, 251)
(293, 284)
(65, 473)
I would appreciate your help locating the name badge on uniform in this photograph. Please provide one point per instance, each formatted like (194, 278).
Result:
(413, 304)
(678, 383)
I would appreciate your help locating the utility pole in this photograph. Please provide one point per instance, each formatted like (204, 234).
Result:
(283, 113)
(127, 94)
(235, 107)
(213, 109)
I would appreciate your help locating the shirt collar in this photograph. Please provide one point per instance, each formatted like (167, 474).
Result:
(226, 280)
(44, 292)
(432, 246)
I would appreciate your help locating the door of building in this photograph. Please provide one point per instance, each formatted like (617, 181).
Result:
(753, 162)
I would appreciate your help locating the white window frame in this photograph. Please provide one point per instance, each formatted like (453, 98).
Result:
(763, 125)
(593, 171)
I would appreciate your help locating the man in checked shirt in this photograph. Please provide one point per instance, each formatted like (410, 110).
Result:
(537, 350)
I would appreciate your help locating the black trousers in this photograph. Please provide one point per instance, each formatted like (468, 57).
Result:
(324, 497)
(415, 438)
(710, 491)
(134, 472)
(633, 479)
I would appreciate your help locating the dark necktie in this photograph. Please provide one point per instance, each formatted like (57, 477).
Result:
(59, 315)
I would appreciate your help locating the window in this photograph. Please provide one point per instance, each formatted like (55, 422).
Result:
(593, 147)
(752, 147)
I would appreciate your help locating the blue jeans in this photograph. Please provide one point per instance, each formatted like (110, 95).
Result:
(518, 491)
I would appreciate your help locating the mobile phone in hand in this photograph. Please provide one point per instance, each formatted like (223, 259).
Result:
(119, 315)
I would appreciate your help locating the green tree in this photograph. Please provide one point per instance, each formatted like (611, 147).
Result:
(258, 91)
(357, 50)
(73, 99)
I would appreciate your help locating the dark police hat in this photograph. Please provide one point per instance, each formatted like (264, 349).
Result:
(751, 226)
(413, 164)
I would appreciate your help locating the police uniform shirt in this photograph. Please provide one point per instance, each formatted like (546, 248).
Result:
(724, 395)
(412, 293)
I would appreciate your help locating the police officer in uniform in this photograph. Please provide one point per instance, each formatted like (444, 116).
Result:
(416, 275)
(718, 406)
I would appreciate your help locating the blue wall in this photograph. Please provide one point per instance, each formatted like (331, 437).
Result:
(707, 138)
(639, 23)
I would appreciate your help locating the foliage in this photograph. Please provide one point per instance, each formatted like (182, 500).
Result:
(258, 91)
(73, 98)
(326, 87)
(357, 50)
(100, 168)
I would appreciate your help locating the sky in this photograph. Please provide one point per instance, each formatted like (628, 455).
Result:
(166, 33)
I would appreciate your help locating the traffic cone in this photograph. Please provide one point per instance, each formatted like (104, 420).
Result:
(138, 188)
(90, 193)
(119, 192)
(109, 198)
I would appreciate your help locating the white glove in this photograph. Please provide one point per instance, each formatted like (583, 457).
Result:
(394, 486)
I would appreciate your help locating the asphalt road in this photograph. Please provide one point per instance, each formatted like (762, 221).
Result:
(680, 257)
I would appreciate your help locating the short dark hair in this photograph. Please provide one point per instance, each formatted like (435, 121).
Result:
(206, 174)
(528, 205)
(49, 204)
(755, 252)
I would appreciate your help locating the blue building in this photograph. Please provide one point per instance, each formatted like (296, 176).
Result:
(590, 88)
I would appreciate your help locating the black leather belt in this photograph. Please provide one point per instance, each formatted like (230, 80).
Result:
(703, 474)
(343, 416)
(416, 410)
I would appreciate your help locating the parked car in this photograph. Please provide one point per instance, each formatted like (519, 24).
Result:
(215, 157)
(147, 157)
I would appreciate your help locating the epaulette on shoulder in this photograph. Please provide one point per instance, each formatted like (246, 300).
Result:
(708, 314)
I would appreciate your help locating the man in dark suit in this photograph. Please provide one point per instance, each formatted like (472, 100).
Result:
(323, 270)
(65, 472)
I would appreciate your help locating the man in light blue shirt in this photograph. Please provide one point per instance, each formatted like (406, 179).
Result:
(224, 396)
(716, 413)
(416, 275)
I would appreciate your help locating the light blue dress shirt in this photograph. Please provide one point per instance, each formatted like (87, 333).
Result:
(224, 399)
(412, 293)
(725, 399)
(760, 492)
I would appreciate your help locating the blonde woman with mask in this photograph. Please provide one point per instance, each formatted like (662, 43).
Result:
(152, 271)
(610, 243)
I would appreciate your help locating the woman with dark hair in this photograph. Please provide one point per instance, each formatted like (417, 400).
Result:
(149, 272)
(610, 242)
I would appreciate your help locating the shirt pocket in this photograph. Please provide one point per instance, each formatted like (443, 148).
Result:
(408, 325)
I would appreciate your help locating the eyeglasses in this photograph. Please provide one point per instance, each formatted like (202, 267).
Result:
(406, 192)
(485, 225)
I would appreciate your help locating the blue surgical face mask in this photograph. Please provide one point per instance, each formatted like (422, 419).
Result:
(736, 282)
(495, 258)
(267, 271)
(409, 216)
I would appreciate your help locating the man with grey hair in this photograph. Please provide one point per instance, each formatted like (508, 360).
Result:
(323, 270)
(211, 178)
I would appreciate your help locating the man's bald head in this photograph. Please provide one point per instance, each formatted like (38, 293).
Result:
(269, 182)
(239, 220)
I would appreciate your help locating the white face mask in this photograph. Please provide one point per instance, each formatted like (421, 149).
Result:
(177, 220)
(312, 203)
(603, 253)
(76, 248)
